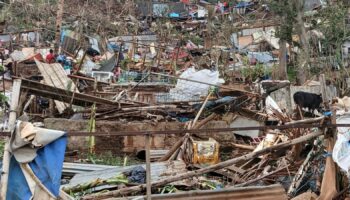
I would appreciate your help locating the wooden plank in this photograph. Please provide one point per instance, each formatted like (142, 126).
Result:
(54, 75)
(16, 90)
(323, 88)
(64, 95)
(148, 166)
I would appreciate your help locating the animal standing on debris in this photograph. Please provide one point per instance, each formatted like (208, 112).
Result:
(308, 100)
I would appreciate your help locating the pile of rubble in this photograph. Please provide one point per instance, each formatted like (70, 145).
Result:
(201, 118)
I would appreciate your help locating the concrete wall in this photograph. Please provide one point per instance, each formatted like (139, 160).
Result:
(284, 96)
(246, 122)
(128, 144)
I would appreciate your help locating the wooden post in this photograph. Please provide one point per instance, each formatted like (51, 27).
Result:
(37, 39)
(73, 95)
(324, 88)
(177, 55)
(159, 56)
(148, 167)
(201, 110)
(81, 63)
(59, 18)
(12, 122)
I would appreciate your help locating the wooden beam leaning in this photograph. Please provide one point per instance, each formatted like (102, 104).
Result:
(63, 95)
(16, 90)
(148, 166)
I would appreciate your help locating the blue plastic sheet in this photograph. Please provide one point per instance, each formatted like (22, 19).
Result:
(262, 57)
(244, 4)
(47, 166)
(174, 15)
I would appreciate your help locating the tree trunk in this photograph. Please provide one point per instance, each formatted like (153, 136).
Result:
(282, 75)
(304, 55)
(58, 24)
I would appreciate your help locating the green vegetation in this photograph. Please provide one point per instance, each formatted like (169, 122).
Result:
(255, 72)
(107, 158)
(3, 98)
(292, 73)
(286, 10)
(2, 147)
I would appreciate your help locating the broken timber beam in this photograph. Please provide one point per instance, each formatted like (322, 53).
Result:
(126, 191)
(204, 121)
(47, 91)
(16, 91)
(261, 177)
(305, 121)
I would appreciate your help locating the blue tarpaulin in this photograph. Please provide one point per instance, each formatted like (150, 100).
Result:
(262, 57)
(244, 4)
(47, 166)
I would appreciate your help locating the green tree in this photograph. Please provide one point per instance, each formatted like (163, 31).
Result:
(286, 12)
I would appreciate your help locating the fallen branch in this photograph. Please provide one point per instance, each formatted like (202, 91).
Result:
(193, 125)
(172, 150)
(204, 121)
(305, 121)
(126, 191)
(242, 146)
(261, 177)
(301, 172)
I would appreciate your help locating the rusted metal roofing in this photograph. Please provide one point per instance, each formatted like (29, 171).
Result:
(272, 192)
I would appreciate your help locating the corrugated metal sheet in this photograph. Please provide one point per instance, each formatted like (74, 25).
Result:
(158, 170)
(272, 192)
(79, 168)
(108, 65)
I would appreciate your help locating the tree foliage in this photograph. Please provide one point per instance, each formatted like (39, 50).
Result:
(333, 25)
(287, 13)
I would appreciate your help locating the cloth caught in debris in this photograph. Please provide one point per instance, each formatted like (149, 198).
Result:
(47, 167)
(137, 175)
(27, 139)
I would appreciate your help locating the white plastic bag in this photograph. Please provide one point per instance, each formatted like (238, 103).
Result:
(341, 150)
(189, 90)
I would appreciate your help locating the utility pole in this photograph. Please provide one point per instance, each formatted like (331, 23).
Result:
(59, 25)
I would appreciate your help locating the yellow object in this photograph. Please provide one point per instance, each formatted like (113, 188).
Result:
(206, 152)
